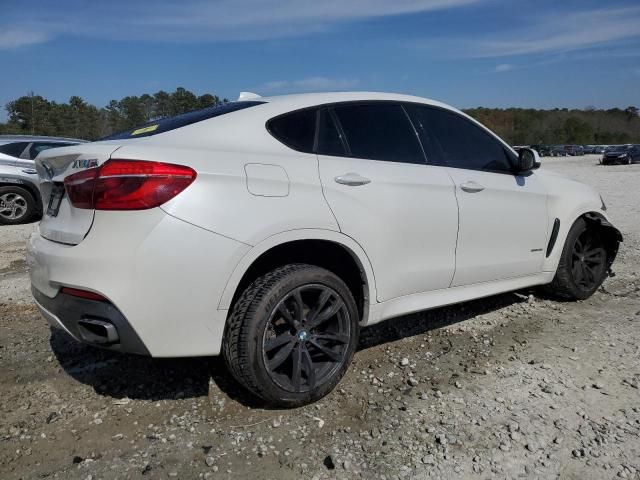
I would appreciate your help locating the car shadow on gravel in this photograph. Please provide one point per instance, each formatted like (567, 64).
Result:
(422, 322)
(136, 377)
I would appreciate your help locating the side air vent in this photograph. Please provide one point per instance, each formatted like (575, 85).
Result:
(554, 236)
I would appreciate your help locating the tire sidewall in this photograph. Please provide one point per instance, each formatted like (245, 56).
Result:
(257, 325)
(31, 205)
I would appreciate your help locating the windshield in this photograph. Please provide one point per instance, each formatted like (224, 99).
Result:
(171, 123)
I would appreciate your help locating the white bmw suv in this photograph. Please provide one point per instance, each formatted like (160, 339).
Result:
(271, 229)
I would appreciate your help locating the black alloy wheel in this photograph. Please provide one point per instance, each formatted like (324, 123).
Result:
(291, 334)
(307, 337)
(588, 264)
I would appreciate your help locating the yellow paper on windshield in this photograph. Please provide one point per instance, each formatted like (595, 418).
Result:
(148, 129)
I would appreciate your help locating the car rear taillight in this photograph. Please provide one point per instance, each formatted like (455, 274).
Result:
(76, 292)
(127, 185)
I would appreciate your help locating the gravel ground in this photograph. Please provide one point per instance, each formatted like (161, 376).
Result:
(516, 385)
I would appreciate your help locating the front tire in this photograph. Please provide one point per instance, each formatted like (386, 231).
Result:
(583, 263)
(292, 334)
(17, 205)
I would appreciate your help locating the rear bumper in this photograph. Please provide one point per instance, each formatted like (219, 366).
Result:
(76, 316)
(162, 277)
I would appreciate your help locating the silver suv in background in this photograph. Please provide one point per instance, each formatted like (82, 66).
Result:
(19, 194)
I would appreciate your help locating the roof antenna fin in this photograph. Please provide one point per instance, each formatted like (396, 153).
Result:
(248, 96)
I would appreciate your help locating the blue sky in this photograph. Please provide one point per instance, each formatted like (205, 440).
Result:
(495, 53)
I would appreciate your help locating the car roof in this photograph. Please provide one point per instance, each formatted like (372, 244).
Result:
(38, 138)
(302, 100)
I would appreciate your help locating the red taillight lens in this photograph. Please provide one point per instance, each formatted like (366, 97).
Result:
(79, 187)
(127, 185)
(76, 292)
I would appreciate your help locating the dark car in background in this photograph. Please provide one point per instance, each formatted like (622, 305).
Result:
(574, 150)
(621, 155)
(558, 151)
(543, 150)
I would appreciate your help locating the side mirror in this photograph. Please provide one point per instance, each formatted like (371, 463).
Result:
(528, 159)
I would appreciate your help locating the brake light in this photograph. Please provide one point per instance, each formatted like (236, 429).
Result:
(127, 185)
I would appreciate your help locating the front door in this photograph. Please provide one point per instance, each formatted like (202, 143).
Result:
(503, 216)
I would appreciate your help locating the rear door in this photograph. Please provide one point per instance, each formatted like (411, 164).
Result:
(61, 221)
(503, 216)
(402, 211)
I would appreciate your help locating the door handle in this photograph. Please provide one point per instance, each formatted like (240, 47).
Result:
(471, 187)
(352, 179)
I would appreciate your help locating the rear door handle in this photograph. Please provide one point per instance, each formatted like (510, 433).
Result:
(471, 187)
(352, 179)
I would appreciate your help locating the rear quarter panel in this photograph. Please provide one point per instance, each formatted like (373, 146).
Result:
(220, 201)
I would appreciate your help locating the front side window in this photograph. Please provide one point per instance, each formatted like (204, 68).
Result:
(296, 130)
(452, 140)
(378, 131)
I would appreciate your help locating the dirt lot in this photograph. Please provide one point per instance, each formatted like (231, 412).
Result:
(512, 386)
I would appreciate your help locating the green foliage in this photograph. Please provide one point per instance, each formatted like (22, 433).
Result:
(35, 115)
(520, 126)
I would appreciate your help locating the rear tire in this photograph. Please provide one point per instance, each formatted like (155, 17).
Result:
(291, 335)
(583, 264)
(17, 206)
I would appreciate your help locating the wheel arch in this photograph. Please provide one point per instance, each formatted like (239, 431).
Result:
(611, 235)
(328, 249)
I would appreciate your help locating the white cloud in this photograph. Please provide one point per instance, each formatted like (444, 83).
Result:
(565, 32)
(10, 38)
(309, 84)
(503, 67)
(199, 20)
(557, 33)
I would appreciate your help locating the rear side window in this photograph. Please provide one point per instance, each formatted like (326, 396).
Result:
(329, 140)
(379, 131)
(189, 118)
(36, 148)
(452, 140)
(296, 130)
(14, 149)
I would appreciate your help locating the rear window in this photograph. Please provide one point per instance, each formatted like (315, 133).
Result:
(14, 149)
(189, 118)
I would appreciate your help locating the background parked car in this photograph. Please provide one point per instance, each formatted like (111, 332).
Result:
(621, 155)
(19, 193)
(27, 147)
(574, 150)
(558, 151)
(543, 150)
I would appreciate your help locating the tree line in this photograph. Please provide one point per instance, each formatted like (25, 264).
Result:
(34, 114)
